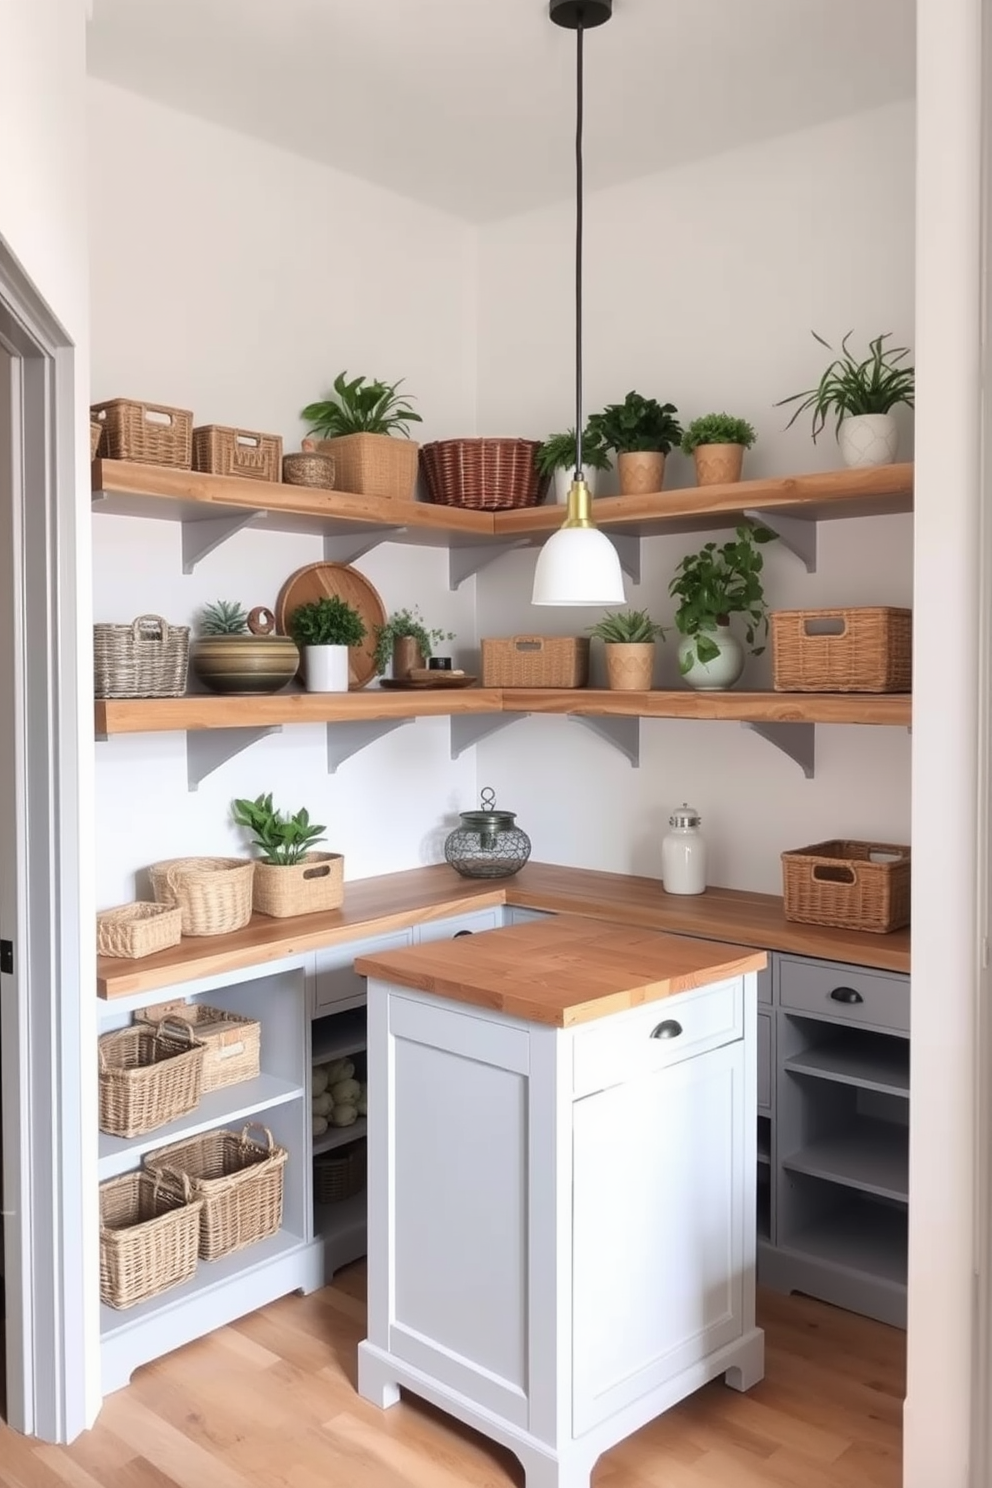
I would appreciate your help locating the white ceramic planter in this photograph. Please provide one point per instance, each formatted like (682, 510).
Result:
(326, 668)
(720, 673)
(563, 482)
(868, 439)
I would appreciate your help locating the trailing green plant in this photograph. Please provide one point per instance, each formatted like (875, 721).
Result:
(719, 581)
(327, 621)
(282, 840)
(225, 618)
(850, 387)
(717, 428)
(627, 628)
(361, 407)
(558, 452)
(637, 424)
(403, 623)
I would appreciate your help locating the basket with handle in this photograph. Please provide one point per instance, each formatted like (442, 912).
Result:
(149, 1237)
(483, 474)
(535, 661)
(148, 658)
(149, 433)
(241, 452)
(214, 894)
(232, 1043)
(850, 885)
(148, 1076)
(239, 1179)
(864, 649)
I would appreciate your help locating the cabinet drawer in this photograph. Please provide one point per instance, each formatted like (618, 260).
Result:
(844, 994)
(765, 1061)
(610, 1050)
(473, 924)
(336, 982)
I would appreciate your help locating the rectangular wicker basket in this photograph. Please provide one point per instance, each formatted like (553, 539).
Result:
(868, 649)
(149, 1238)
(232, 1043)
(371, 464)
(850, 885)
(239, 1180)
(340, 1174)
(149, 433)
(242, 452)
(146, 659)
(148, 1077)
(311, 887)
(535, 661)
(138, 929)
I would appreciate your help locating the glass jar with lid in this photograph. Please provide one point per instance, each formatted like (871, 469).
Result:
(683, 853)
(488, 844)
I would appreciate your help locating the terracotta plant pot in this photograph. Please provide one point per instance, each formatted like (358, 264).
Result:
(407, 657)
(630, 665)
(641, 472)
(718, 464)
(245, 663)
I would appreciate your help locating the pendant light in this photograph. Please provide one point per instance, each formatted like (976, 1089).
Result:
(578, 564)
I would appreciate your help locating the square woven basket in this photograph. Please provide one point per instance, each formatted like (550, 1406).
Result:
(232, 1043)
(149, 1238)
(147, 659)
(149, 433)
(849, 885)
(148, 1077)
(869, 649)
(535, 661)
(241, 452)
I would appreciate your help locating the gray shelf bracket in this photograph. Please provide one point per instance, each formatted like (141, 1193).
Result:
(202, 538)
(355, 734)
(345, 547)
(623, 733)
(629, 552)
(797, 740)
(464, 563)
(798, 536)
(208, 749)
(466, 732)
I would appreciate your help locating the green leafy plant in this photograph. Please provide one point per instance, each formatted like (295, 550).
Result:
(717, 428)
(405, 623)
(225, 618)
(719, 581)
(283, 840)
(850, 387)
(637, 424)
(558, 452)
(361, 407)
(627, 628)
(328, 621)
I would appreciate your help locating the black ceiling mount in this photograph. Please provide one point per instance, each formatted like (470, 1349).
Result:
(584, 13)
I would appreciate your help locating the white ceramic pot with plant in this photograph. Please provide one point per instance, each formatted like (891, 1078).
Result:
(358, 424)
(717, 443)
(556, 459)
(324, 629)
(290, 878)
(629, 638)
(721, 580)
(860, 395)
(641, 432)
(404, 643)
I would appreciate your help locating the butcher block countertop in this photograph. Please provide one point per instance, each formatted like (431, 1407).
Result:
(562, 971)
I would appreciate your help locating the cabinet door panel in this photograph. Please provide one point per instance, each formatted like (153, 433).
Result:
(764, 1061)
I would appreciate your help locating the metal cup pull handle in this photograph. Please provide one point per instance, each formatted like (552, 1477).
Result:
(668, 1029)
(846, 994)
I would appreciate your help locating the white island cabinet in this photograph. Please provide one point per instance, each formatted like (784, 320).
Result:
(561, 1182)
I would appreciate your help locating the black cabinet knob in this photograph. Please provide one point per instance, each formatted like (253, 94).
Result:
(459, 933)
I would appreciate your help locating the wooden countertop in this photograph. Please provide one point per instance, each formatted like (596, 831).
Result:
(395, 900)
(562, 971)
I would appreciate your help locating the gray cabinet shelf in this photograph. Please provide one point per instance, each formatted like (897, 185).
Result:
(863, 1237)
(871, 1061)
(871, 1155)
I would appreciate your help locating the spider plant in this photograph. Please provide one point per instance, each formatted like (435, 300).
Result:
(850, 387)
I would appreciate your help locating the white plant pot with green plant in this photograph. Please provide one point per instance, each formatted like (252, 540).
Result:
(404, 643)
(325, 629)
(860, 396)
(629, 638)
(556, 458)
(289, 878)
(641, 432)
(358, 424)
(720, 581)
(717, 443)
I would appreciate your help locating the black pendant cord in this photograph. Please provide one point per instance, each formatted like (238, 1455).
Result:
(579, 223)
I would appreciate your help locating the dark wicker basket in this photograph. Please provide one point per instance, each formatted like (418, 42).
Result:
(340, 1174)
(483, 474)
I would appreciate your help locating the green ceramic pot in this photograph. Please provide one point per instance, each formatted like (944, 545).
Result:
(245, 663)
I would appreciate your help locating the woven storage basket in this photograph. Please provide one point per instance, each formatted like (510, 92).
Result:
(148, 1077)
(483, 474)
(149, 1238)
(242, 452)
(838, 883)
(309, 469)
(310, 887)
(854, 650)
(148, 658)
(340, 1174)
(232, 1043)
(371, 464)
(214, 894)
(150, 433)
(239, 1180)
(536, 661)
(95, 432)
(139, 929)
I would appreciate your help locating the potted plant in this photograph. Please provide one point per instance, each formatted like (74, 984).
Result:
(324, 629)
(629, 638)
(719, 581)
(357, 424)
(861, 394)
(641, 431)
(405, 641)
(556, 457)
(290, 878)
(237, 652)
(717, 442)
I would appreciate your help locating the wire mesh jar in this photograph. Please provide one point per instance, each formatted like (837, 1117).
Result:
(488, 844)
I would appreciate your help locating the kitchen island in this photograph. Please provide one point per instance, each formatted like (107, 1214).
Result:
(561, 1182)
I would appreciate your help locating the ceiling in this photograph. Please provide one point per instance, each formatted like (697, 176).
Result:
(467, 105)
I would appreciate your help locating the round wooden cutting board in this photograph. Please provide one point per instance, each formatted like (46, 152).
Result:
(320, 579)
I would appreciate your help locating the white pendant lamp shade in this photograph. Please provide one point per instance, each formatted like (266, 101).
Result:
(578, 566)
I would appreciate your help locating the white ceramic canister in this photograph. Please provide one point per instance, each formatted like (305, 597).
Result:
(683, 853)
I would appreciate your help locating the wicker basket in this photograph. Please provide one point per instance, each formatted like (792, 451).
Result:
(371, 464)
(536, 661)
(239, 1180)
(149, 1238)
(241, 452)
(150, 433)
(148, 658)
(232, 1043)
(483, 474)
(310, 887)
(95, 432)
(854, 650)
(842, 884)
(340, 1174)
(148, 1077)
(309, 469)
(214, 894)
(139, 929)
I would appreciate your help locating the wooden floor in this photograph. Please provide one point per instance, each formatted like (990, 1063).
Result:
(270, 1403)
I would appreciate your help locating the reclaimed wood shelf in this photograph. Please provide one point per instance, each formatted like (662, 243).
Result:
(893, 709)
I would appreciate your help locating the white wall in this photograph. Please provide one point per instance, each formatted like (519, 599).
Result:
(263, 276)
(702, 286)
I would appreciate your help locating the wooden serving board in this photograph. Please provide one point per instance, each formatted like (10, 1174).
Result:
(320, 580)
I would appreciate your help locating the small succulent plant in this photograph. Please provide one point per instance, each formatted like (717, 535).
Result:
(225, 618)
